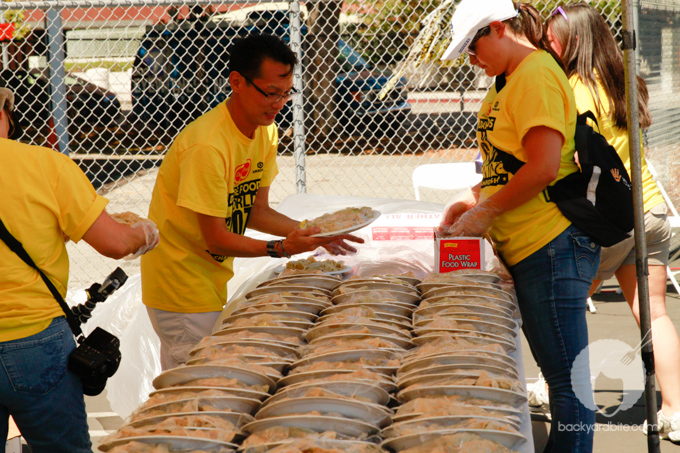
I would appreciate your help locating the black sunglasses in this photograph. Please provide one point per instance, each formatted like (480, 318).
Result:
(480, 33)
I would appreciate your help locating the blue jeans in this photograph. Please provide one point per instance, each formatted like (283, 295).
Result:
(552, 288)
(44, 398)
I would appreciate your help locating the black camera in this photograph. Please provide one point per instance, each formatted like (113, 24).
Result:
(97, 356)
(95, 360)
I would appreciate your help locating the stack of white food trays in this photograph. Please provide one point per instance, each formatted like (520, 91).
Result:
(337, 396)
(458, 387)
(203, 405)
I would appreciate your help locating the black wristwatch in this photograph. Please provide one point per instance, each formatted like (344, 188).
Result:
(271, 249)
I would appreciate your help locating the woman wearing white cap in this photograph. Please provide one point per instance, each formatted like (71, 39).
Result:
(525, 132)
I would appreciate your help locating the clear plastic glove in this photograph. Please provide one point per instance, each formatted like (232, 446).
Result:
(151, 238)
(457, 206)
(340, 246)
(475, 222)
(6, 98)
(301, 240)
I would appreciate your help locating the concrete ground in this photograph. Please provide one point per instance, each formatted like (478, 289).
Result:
(612, 321)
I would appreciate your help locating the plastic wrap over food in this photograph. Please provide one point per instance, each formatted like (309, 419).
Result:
(453, 405)
(141, 447)
(438, 424)
(316, 391)
(330, 344)
(448, 343)
(458, 443)
(204, 426)
(282, 433)
(479, 378)
(124, 315)
(321, 445)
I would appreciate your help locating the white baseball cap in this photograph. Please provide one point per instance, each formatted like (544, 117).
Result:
(472, 15)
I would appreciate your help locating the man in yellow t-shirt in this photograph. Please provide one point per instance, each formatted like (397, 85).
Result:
(46, 198)
(213, 183)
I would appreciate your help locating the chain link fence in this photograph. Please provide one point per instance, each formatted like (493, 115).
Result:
(112, 82)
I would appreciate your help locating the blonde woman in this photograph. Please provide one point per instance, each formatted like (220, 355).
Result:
(594, 64)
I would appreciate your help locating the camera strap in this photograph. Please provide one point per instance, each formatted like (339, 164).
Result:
(15, 246)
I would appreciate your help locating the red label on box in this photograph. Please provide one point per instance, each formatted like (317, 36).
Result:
(458, 253)
(401, 233)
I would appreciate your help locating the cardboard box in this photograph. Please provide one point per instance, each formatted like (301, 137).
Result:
(453, 254)
(405, 226)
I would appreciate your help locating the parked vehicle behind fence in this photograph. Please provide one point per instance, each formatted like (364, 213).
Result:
(87, 104)
(180, 72)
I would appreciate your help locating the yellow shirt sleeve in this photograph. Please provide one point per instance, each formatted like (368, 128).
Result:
(77, 213)
(543, 104)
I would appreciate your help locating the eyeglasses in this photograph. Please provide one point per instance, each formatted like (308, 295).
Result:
(480, 33)
(273, 97)
(560, 11)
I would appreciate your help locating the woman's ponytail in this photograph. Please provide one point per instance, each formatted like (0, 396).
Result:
(530, 24)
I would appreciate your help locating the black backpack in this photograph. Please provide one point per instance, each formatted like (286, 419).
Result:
(599, 198)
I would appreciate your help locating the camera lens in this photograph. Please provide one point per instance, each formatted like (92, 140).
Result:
(93, 386)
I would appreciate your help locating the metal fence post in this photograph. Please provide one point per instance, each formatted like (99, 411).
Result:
(5, 55)
(636, 24)
(55, 39)
(298, 109)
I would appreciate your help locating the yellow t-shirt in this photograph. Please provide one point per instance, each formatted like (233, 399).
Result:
(616, 137)
(211, 169)
(43, 193)
(537, 93)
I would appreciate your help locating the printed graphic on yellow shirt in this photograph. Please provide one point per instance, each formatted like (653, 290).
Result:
(493, 170)
(241, 201)
(498, 165)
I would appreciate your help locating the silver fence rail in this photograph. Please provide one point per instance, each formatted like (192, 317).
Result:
(112, 82)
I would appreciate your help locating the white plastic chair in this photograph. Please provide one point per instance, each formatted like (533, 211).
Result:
(454, 176)
(675, 228)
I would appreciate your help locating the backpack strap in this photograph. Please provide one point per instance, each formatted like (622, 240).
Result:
(584, 136)
(582, 118)
(500, 82)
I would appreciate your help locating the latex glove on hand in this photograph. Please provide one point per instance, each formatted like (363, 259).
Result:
(301, 240)
(339, 246)
(475, 222)
(456, 207)
(151, 236)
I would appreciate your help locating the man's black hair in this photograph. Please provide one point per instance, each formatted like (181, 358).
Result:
(247, 54)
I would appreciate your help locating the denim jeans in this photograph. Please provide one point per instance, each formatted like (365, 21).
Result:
(44, 398)
(552, 288)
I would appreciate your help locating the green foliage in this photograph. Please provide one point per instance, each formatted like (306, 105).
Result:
(21, 30)
(389, 27)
